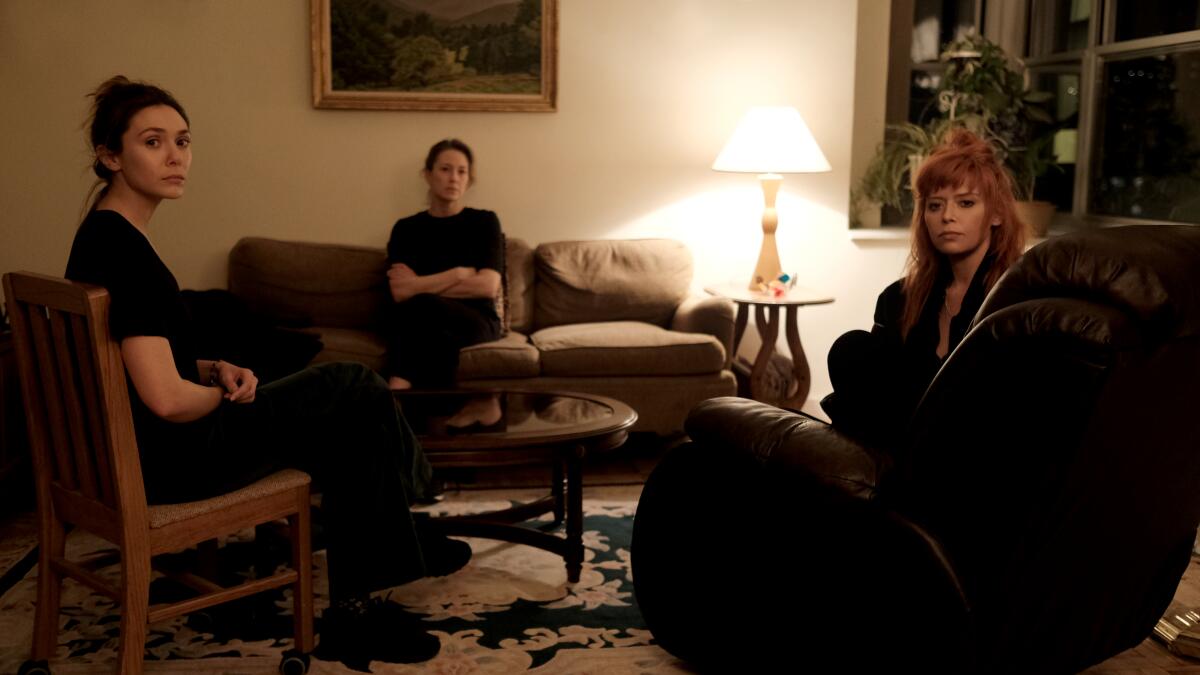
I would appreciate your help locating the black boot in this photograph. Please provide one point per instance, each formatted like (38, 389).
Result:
(442, 554)
(359, 631)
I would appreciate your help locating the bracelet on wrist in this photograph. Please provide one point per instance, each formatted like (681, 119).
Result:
(214, 374)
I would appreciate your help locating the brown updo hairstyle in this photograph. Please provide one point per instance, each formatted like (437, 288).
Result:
(963, 159)
(114, 103)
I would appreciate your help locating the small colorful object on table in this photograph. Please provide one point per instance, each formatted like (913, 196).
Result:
(778, 287)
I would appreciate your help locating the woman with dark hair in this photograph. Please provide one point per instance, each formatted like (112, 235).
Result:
(205, 427)
(447, 266)
(965, 234)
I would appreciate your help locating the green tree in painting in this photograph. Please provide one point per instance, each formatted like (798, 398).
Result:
(380, 46)
(421, 61)
(362, 45)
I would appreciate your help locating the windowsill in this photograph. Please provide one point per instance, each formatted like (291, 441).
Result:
(1063, 223)
(884, 233)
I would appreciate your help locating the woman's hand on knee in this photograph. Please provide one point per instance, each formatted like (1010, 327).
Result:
(240, 384)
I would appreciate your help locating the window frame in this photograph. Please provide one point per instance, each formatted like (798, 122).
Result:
(1101, 49)
(1099, 56)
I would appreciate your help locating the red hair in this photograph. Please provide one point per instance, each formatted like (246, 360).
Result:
(963, 159)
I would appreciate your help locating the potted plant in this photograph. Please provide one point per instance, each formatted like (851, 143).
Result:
(983, 90)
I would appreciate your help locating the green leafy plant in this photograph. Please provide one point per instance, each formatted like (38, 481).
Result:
(982, 90)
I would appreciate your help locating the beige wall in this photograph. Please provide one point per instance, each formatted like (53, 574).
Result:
(648, 93)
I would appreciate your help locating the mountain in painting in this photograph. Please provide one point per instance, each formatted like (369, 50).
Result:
(461, 11)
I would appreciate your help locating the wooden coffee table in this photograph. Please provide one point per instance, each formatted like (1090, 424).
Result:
(475, 429)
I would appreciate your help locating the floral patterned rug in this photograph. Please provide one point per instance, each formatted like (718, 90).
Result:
(509, 611)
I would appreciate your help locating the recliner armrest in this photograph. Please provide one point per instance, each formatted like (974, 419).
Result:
(789, 443)
(709, 315)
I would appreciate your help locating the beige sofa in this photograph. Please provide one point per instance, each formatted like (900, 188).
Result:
(610, 317)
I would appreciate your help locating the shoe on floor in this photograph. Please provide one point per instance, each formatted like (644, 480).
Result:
(362, 631)
(442, 554)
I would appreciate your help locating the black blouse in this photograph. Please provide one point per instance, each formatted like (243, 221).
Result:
(430, 244)
(144, 297)
(916, 357)
(880, 377)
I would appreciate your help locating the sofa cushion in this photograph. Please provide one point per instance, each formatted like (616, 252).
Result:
(518, 283)
(306, 284)
(610, 280)
(349, 344)
(510, 356)
(625, 348)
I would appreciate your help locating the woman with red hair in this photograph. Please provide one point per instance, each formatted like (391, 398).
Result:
(965, 234)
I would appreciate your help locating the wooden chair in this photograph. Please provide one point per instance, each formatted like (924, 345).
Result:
(88, 475)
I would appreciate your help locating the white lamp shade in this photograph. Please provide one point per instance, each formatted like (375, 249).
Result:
(772, 140)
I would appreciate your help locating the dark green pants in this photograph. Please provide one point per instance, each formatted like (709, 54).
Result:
(339, 423)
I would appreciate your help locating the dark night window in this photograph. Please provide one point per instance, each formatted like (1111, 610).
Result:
(1147, 158)
(1147, 18)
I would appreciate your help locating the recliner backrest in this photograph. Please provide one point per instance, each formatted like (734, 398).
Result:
(1055, 453)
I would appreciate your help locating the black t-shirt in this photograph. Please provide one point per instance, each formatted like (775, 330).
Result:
(428, 244)
(878, 382)
(109, 251)
(916, 359)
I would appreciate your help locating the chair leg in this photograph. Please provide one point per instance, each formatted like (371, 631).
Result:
(300, 529)
(52, 544)
(135, 608)
(206, 559)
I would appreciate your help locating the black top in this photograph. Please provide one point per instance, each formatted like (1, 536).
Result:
(916, 357)
(109, 251)
(428, 244)
(879, 377)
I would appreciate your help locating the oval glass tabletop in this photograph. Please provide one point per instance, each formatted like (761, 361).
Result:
(450, 416)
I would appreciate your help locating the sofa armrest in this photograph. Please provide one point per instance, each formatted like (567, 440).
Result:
(789, 444)
(709, 315)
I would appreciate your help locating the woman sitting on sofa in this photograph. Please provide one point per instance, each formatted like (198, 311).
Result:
(204, 428)
(445, 275)
(965, 234)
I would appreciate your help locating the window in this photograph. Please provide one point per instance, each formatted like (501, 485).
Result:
(1147, 161)
(1125, 81)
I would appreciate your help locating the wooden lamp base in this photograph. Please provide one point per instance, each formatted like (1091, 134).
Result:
(768, 267)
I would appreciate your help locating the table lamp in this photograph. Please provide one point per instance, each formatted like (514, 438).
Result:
(770, 141)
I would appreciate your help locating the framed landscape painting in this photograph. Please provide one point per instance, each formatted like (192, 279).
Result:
(435, 54)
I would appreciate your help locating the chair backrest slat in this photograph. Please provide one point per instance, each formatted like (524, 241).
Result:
(89, 389)
(77, 401)
(67, 365)
(52, 397)
(31, 378)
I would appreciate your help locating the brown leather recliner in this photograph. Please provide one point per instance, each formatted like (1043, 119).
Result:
(1037, 518)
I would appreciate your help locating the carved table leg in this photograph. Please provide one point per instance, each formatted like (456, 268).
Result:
(739, 329)
(799, 361)
(769, 331)
(574, 553)
(556, 490)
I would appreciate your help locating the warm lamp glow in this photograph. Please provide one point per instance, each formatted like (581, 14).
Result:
(770, 141)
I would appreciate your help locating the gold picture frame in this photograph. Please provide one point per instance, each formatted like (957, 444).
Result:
(393, 58)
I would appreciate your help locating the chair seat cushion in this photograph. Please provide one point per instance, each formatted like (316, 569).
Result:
(280, 481)
(626, 348)
(510, 356)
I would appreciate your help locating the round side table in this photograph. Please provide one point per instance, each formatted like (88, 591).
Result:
(766, 318)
